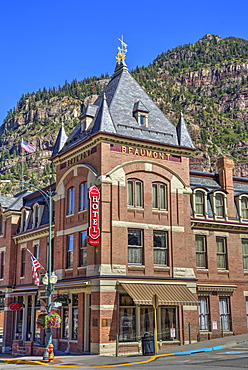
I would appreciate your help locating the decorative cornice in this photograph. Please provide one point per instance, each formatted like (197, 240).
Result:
(31, 235)
(110, 139)
(218, 225)
(11, 213)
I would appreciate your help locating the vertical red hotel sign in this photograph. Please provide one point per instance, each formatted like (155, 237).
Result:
(94, 230)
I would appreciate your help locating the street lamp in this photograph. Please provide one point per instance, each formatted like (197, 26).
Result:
(50, 279)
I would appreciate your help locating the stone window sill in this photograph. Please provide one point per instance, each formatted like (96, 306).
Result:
(136, 266)
(223, 271)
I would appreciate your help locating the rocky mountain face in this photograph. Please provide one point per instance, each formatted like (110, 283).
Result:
(207, 81)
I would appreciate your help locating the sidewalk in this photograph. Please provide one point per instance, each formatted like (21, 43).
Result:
(109, 361)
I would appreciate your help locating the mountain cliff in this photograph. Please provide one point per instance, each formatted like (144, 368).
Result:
(207, 81)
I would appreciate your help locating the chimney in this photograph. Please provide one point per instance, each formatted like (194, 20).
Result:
(225, 168)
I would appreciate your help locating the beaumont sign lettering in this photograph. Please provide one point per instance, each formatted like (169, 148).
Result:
(145, 153)
(94, 231)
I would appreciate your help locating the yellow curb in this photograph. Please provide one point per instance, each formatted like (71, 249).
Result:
(152, 358)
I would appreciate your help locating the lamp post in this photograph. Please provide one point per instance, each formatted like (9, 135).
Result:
(50, 279)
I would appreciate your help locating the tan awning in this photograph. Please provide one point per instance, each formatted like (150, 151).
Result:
(216, 288)
(168, 294)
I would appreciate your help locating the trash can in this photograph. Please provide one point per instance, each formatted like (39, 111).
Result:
(148, 345)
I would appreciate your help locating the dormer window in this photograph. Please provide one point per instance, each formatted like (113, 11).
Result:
(140, 113)
(143, 120)
(36, 215)
(199, 203)
(88, 117)
(219, 205)
(244, 208)
(24, 217)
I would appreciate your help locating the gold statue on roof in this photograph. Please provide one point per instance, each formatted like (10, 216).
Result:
(121, 54)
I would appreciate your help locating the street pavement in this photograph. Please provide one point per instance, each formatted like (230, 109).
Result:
(191, 354)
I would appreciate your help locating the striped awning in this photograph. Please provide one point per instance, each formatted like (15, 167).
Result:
(216, 288)
(168, 294)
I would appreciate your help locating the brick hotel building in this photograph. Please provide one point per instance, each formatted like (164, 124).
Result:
(164, 231)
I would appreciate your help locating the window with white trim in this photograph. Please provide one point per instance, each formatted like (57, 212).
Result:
(83, 196)
(70, 201)
(160, 250)
(199, 203)
(225, 317)
(219, 205)
(203, 311)
(135, 193)
(143, 119)
(159, 196)
(135, 246)
(244, 208)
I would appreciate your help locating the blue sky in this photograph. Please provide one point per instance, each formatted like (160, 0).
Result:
(44, 43)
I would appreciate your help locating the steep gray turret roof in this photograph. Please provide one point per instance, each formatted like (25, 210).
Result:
(60, 141)
(104, 120)
(114, 112)
(184, 138)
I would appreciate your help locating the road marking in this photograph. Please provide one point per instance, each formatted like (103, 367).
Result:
(152, 358)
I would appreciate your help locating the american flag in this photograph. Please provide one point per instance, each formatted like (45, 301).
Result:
(28, 147)
(35, 267)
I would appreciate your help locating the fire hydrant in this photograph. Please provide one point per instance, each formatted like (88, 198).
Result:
(50, 352)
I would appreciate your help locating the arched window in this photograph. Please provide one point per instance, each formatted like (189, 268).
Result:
(70, 201)
(83, 196)
(219, 205)
(159, 195)
(199, 203)
(135, 193)
(244, 208)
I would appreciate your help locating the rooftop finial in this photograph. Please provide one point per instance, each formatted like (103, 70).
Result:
(121, 55)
